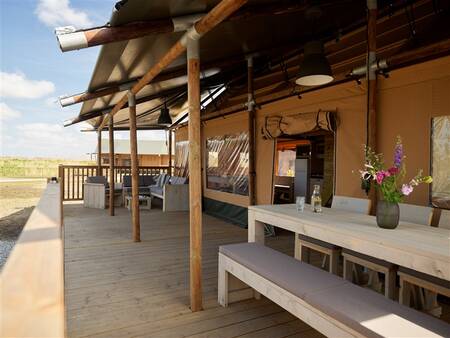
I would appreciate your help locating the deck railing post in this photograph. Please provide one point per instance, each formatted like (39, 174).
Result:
(134, 169)
(111, 166)
(99, 152)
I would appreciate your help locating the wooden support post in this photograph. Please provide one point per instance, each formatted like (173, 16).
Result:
(99, 153)
(195, 182)
(170, 152)
(372, 86)
(134, 169)
(251, 107)
(111, 166)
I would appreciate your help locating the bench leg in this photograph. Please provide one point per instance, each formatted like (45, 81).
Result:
(405, 292)
(222, 288)
(297, 247)
(348, 270)
(334, 262)
(304, 254)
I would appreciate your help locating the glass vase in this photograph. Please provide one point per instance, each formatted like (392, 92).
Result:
(388, 214)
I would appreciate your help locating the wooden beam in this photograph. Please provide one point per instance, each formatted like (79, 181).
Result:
(99, 153)
(195, 179)
(111, 167)
(251, 107)
(69, 41)
(134, 170)
(208, 22)
(371, 78)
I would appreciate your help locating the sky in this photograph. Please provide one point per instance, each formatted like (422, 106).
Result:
(34, 73)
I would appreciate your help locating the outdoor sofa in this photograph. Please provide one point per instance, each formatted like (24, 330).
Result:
(173, 191)
(96, 192)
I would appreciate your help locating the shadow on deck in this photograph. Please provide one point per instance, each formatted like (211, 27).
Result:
(117, 288)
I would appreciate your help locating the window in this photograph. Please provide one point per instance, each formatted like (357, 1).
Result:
(227, 168)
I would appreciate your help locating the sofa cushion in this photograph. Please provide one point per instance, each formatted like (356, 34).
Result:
(97, 180)
(126, 180)
(160, 180)
(157, 190)
(146, 180)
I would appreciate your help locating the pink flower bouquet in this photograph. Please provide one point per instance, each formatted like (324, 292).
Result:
(389, 181)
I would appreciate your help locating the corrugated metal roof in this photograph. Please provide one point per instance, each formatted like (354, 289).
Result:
(145, 147)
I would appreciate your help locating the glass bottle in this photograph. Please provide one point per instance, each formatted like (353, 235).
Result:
(316, 200)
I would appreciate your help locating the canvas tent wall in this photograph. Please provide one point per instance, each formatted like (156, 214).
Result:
(407, 101)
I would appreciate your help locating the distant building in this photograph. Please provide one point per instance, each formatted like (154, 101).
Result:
(150, 152)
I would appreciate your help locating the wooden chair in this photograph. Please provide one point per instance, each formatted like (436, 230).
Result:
(408, 213)
(304, 243)
(424, 288)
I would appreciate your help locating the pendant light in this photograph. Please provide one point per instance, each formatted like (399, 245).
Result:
(314, 69)
(164, 117)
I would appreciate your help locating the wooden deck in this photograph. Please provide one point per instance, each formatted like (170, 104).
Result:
(117, 288)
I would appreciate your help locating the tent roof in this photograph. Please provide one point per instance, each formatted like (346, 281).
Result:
(275, 40)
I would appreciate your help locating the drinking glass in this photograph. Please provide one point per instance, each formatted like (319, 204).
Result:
(300, 203)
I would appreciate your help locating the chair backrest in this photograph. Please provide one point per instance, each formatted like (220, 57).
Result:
(146, 180)
(97, 180)
(444, 220)
(126, 180)
(415, 214)
(352, 204)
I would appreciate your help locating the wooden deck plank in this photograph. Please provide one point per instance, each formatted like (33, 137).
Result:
(117, 288)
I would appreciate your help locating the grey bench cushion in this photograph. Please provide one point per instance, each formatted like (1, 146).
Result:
(363, 310)
(441, 282)
(369, 258)
(318, 242)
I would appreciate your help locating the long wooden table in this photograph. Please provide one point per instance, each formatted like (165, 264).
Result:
(422, 248)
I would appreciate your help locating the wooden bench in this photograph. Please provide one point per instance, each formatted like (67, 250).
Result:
(328, 303)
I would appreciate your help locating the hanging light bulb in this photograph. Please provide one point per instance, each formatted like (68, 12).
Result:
(314, 69)
(164, 117)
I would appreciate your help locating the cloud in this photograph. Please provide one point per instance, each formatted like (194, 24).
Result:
(56, 13)
(19, 86)
(49, 140)
(6, 112)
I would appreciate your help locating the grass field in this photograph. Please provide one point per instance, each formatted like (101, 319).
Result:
(34, 167)
(17, 200)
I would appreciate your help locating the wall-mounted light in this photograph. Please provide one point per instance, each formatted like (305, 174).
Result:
(314, 69)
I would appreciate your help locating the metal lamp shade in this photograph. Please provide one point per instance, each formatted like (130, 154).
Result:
(164, 118)
(314, 69)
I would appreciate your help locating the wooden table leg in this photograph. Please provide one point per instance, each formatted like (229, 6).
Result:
(255, 229)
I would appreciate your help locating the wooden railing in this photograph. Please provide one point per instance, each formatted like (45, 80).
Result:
(73, 177)
(32, 280)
